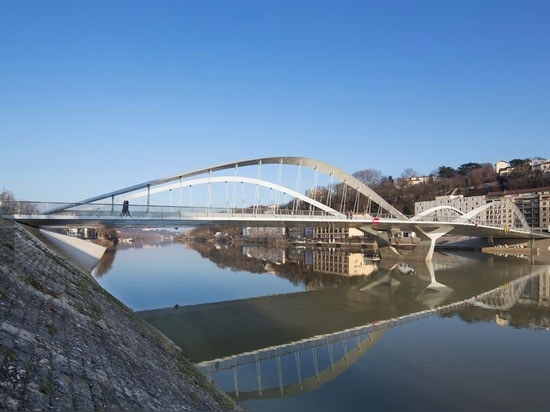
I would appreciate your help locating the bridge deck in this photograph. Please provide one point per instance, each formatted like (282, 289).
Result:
(176, 219)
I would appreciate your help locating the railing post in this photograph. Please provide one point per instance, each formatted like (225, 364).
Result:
(148, 198)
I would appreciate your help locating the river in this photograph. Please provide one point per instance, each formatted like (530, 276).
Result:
(331, 329)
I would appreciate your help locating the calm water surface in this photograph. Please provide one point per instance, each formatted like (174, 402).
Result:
(162, 275)
(325, 330)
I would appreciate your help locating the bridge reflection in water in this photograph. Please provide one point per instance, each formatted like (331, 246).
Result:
(304, 365)
(280, 345)
(332, 302)
(289, 369)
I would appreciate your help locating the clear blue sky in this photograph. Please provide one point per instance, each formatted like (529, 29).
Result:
(99, 95)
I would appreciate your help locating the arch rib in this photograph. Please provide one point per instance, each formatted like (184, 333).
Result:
(435, 209)
(467, 217)
(324, 167)
(238, 179)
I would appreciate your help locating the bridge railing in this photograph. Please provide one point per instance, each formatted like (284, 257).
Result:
(113, 210)
(53, 210)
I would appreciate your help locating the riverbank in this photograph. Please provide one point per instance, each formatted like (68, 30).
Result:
(66, 344)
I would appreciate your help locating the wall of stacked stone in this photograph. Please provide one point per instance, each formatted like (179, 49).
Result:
(66, 344)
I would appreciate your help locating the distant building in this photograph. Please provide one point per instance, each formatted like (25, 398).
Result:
(533, 203)
(82, 232)
(264, 233)
(501, 165)
(503, 168)
(541, 165)
(296, 232)
(464, 204)
(501, 214)
(414, 180)
(333, 234)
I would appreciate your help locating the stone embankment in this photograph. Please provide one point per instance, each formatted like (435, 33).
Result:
(67, 345)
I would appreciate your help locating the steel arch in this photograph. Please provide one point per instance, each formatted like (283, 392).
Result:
(435, 209)
(467, 217)
(313, 164)
(239, 179)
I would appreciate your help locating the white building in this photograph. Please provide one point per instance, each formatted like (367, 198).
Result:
(540, 164)
(501, 166)
(464, 204)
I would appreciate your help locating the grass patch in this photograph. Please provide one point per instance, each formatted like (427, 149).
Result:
(10, 355)
(52, 329)
(35, 283)
(46, 388)
(95, 312)
(83, 286)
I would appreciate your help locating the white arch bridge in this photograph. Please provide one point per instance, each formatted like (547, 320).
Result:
(269, 192)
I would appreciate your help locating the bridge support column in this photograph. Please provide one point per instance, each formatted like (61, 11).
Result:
(423, 251)
(431, 238)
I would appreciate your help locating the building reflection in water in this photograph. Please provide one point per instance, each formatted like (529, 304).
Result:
(307, 364)
(327, 260)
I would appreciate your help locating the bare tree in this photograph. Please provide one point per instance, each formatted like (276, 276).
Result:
(409, 172)
(370, 177)
(10, 205)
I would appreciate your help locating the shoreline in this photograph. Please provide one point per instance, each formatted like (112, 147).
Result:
(66, 344)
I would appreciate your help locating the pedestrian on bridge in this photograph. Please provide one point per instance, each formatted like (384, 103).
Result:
(125, 209)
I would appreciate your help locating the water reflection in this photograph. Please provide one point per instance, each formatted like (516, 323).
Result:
(349, 328)
(105, 264)
(333, 301)
(305, 365)
(289, 369)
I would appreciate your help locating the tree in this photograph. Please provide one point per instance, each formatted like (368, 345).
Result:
(9, 205)
(466, 168)
(519, 162)
(489, 173)
(370, 177)
(481, 175)
(446, 172)
(522, 169)
(408, 173)
(476, 177)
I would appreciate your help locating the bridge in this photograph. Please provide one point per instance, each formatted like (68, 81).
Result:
(273, 192)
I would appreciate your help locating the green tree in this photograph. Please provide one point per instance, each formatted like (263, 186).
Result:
(519, 162)
(446, 172)
(466, 168)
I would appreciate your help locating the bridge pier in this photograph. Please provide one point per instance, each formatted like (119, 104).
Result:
(542, 245)
(533, 247)
(423, 251)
